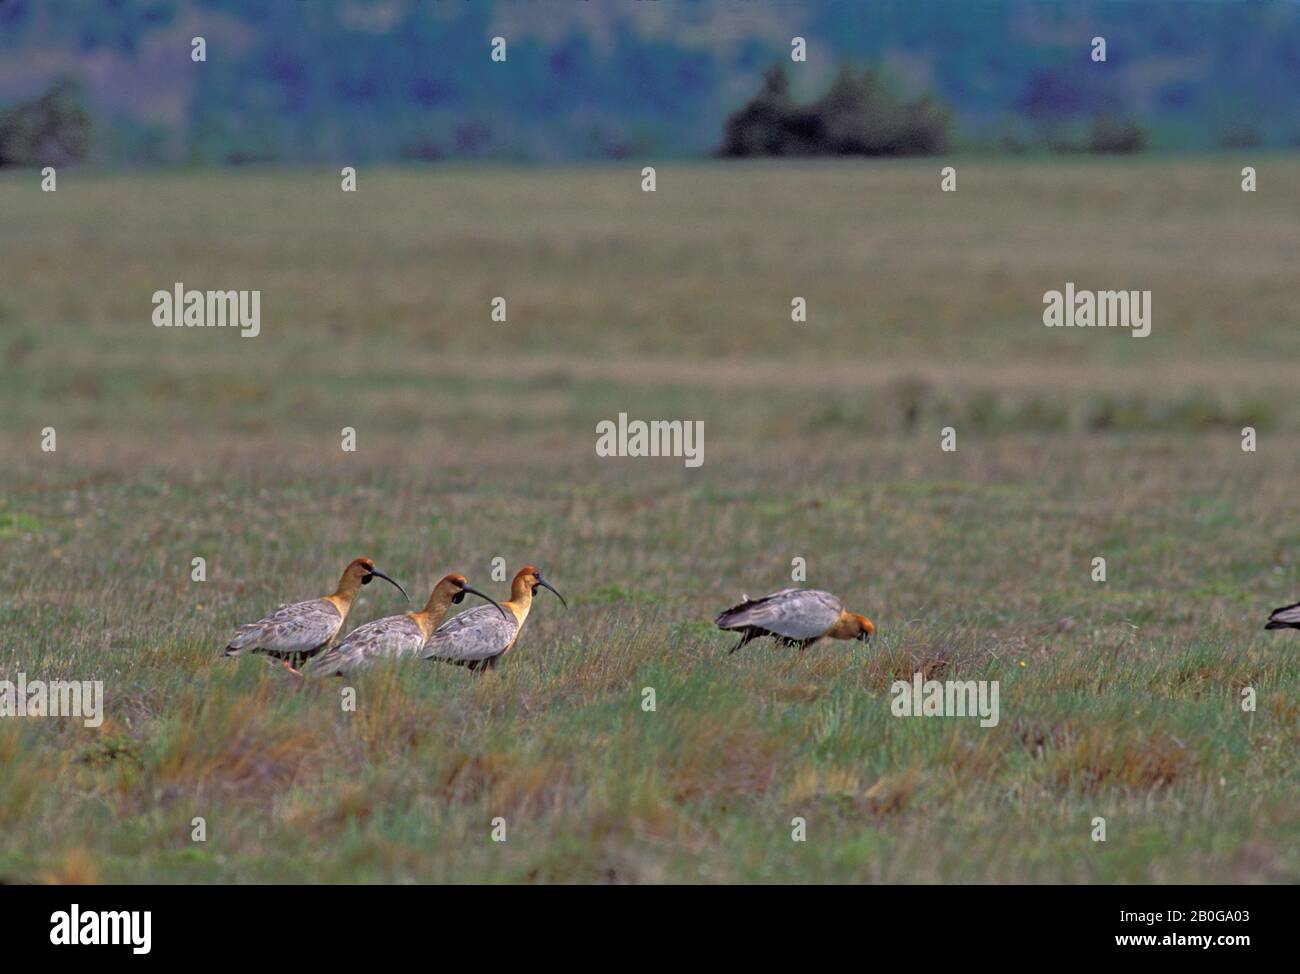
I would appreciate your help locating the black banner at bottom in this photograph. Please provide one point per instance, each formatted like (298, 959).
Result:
(139, 924)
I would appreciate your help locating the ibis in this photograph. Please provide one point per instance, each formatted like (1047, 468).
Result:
(299, 630)
(477, 639)
(1287, 617)
(397, 636)
(794, 617)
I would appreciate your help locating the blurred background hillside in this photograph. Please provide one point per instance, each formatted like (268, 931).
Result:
(396, 80)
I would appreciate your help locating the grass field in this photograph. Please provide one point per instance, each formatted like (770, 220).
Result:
(476, 440)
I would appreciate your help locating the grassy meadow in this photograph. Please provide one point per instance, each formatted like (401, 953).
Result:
(475, 440)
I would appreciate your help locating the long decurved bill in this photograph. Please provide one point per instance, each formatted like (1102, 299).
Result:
(545, 584)
(473, 591)
(376, 571)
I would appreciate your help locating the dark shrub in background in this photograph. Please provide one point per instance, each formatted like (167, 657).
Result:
(764, 126)
(52, 130)
(1115, 135)
(1240, 135)
(858, 115)
(1105, 135)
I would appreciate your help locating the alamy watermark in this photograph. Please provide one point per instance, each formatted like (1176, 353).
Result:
(179, 308)
(57, 698)
(131, 928)
(950, 698)
(656, 438)
(1098, 309)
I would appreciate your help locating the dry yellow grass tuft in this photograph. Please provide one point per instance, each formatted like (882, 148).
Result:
(75, 867)
(1101, 758)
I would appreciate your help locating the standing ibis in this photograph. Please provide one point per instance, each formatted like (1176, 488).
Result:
(397, 636)
(299, 630)
(1287, 617)
(479, 638)
(795, 617)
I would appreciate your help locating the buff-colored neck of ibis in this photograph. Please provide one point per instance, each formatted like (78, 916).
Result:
(521, 595)
(435, 610)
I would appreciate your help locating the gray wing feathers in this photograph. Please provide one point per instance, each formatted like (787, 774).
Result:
(390, 637)
(477, 634)
(297, 627)
(796, 613)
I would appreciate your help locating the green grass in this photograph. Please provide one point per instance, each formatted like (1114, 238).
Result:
(476, 441)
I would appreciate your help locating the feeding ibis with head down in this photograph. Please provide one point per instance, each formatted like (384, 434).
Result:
(795, 617)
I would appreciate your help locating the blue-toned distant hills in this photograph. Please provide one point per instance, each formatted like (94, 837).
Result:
(412, 79)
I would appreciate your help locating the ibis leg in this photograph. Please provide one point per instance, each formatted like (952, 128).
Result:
(746, 635)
